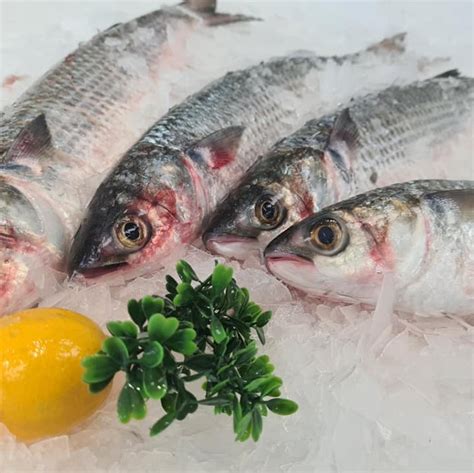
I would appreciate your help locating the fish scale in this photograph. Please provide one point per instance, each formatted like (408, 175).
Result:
(373, 140)
(413, 116)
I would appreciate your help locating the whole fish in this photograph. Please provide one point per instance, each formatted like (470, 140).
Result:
(421, 231)
(394, 135)
(74, 123)
(158, 196)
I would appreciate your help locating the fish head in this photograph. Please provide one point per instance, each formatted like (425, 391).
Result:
(269, 199)
(248, 219)
(342, 253)
(30, 241)
(18, 220)
(136, 218)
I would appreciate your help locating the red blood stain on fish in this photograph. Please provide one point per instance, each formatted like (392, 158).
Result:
(173, 54)
(221, 158)
(11, 80)
(8, 275)
(69, 59)
(13, 285)
(160, 210)
(10, 241)
(202, 194)
(308, 205)
(166, 198)
(332, 175)
(382, 255)
(377, 256)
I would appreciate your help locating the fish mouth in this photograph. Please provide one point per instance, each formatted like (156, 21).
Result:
(280, 257)
(231, 246)
(96, 272)
(295, 270)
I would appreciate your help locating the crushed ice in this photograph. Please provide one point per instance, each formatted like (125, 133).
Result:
(374, 389)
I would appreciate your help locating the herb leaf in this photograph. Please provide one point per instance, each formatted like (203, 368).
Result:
(99, 368)
(130, 404)
(221, 278)
(116, 349)
(161, 425)
(283, 407)
(136, 312)
(217, 330)
(154, 383)
(152, 305)
(153, 355)
(161, 328)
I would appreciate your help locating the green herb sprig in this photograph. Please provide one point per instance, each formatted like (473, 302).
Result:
(199, 330)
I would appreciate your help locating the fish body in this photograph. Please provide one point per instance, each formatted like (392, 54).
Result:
(161, 192)
(397, 134)
(420, 231)
(72, 125)
(86, 96)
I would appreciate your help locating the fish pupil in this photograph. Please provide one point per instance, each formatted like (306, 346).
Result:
(131, 231)
(268, 210)
(326, 235)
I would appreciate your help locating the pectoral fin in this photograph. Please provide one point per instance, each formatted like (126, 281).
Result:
(32, 141)
(342, 144)
(219, 148)
(344, 130)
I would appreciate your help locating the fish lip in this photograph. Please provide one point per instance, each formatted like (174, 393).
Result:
(292, 269)
(215, 242)
(281, 256)
(228, 238)
(95, 272)
(290, 257)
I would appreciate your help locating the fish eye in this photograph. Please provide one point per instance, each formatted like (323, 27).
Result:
(132, 232)
(329, 236)
(269, 211)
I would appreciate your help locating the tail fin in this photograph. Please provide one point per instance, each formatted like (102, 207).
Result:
(393, 44)
(206, 9)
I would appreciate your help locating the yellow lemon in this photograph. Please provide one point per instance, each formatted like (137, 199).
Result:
(41, 391)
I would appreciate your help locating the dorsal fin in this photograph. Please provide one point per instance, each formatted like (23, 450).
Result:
(219, 148)
(344, 130)
(450, 73)
(206, 9)
(31, 141)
